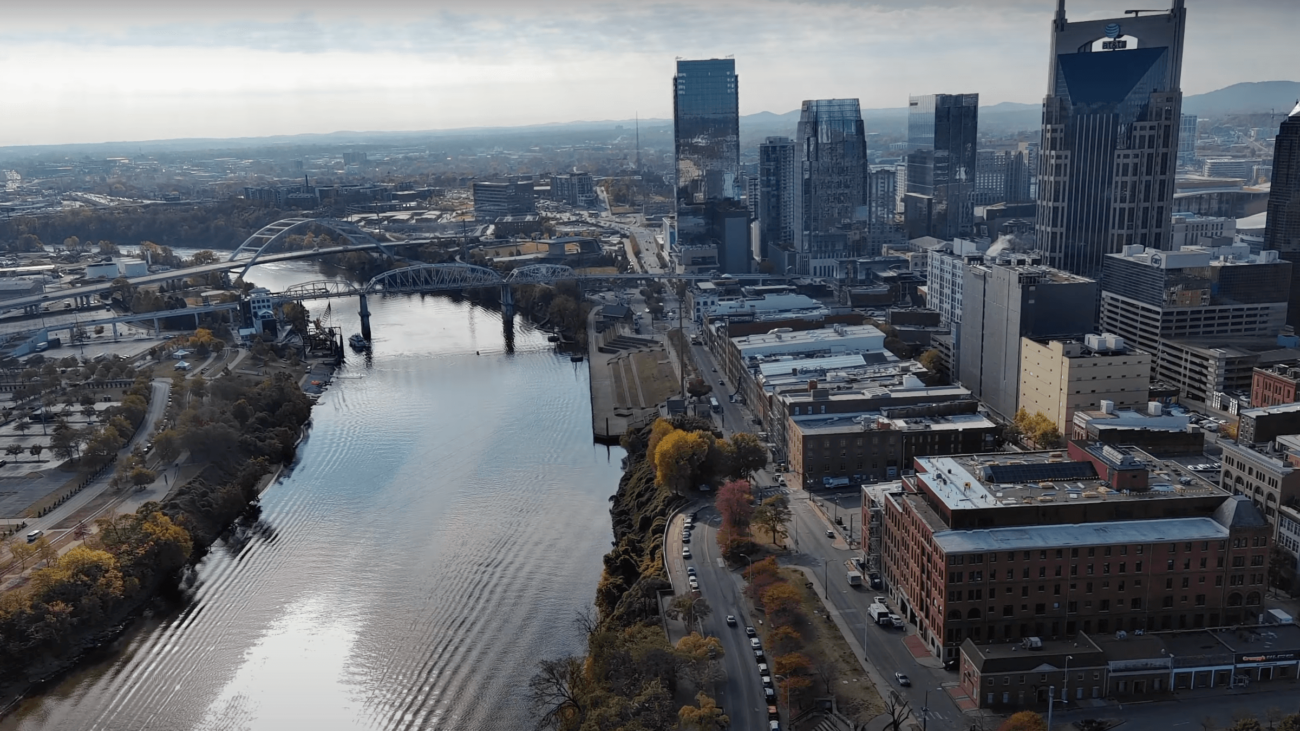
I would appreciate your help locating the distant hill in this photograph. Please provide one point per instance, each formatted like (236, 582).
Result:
(1251, 97)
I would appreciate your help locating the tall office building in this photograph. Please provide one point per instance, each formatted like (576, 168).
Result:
(1282, 229)
(777, 176)
(706, 133)
(832, 183)
(1187, 140)
(1003, 301)
(941, 141)
(706, 130)
(1110, 136)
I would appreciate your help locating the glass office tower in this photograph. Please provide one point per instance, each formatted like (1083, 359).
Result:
(1282, 229)
(1110, 137)
(777, 173)
(832, 182)
(706, 130)
(941, 139)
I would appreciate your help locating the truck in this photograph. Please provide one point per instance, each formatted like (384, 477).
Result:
(879, 613)
(855, 578)
(835, 481)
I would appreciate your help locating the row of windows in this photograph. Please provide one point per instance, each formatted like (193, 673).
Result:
(1059, 553)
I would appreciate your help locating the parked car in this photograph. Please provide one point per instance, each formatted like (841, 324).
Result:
(754, 643)
(686, 552)
(690, 570)
(750, 631)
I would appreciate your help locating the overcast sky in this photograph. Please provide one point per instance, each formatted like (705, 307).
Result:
(137, 70)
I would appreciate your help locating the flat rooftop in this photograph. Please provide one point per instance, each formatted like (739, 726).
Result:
(984, 481)
(875, 421)
(1165, 530)
(843, 336)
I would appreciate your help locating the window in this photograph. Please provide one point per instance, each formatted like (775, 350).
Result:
(1136, 603)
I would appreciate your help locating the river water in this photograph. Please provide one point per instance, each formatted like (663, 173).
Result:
(442, 528)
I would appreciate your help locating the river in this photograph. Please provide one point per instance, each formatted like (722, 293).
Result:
(442, 528)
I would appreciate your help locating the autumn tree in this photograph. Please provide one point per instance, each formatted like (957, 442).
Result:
(677, 456)
(783, 603)
(660, 429)
(749, 454)
(772, 515)
(21, 552)
(701, 658)
(736, 505)
(1024, 721)
(705, 716)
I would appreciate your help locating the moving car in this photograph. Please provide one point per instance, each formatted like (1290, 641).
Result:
(731, 620)
(34, 535)
(903, 680)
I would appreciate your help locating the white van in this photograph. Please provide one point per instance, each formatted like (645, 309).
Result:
(34, 536)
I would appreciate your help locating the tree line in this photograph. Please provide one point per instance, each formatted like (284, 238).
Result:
(222, 225)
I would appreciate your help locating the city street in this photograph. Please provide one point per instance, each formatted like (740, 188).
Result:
(741, 694)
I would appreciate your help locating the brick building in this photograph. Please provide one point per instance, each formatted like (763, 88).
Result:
(1000, 547)
(1275, 385)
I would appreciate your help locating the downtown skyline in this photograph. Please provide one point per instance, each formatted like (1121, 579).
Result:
(77, 73)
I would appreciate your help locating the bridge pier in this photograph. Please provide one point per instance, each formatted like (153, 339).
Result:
(365, 318)
(507, 302)
(115, 331)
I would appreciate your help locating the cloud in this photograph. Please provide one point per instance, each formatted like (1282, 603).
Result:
(82, 71)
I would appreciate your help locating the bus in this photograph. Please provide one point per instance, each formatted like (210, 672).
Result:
(713, 404)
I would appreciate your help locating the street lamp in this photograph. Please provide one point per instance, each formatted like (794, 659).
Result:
(925, 709)
(1065, 683)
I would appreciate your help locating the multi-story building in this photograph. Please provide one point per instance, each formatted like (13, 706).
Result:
(706, 134)
(1192, 230)
(1265, 472)
(778, 175)
(1261, 426)
(1001, 176)
(873, 446)
(1187, 140)
(1199, 310)
(1001, 547)
(832, 183)
(493, 200)
(882, 194)
(942, 134)
(576, 189)
(946, 275)
(1004, 301)
(1275, 385)
(1282, 229)
(1061, 376)
(1110, 136)
(1241, 168)
(706, 130)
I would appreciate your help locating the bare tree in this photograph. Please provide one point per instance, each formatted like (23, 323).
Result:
(826, 674)
(554, 692)
(898, 709)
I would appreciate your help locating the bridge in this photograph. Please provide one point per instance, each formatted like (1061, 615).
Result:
(419, 278)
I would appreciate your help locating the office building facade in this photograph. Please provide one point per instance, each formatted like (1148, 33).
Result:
(832, 183)
(493, 200)
(1187, 140)
(778, 175)
(1111, 123)
(706, 130)
(942, 131)
(1282, 229)
(1004, 301)
(1061, 376)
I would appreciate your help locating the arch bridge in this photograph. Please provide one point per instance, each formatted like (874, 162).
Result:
(273, 234)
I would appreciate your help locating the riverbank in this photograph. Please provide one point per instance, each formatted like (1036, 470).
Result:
(91, 595)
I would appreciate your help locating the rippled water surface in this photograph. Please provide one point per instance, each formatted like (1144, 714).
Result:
(443, 526)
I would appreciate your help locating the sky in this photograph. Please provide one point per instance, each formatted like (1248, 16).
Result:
(80, 71)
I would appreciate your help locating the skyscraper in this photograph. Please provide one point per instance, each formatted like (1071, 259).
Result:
(777, 176)
(832, 183)
(1187, 140)
(1110, 136)
(941, 141)
(1282, 229)
(706, 130)
(706, 133)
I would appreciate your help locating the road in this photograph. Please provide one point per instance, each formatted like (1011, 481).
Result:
(160, 388)
(883, 648)
(741, 694)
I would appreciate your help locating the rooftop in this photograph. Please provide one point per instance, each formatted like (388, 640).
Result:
(985, 481)
(1166, 530)
(874, 420)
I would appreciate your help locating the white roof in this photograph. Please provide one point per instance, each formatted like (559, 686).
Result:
(1166, 530)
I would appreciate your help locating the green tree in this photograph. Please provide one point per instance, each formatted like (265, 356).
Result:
(772, 515)
(690, 609)
(749, 454)
(13, 450)
(141, 477)
(36, 450)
